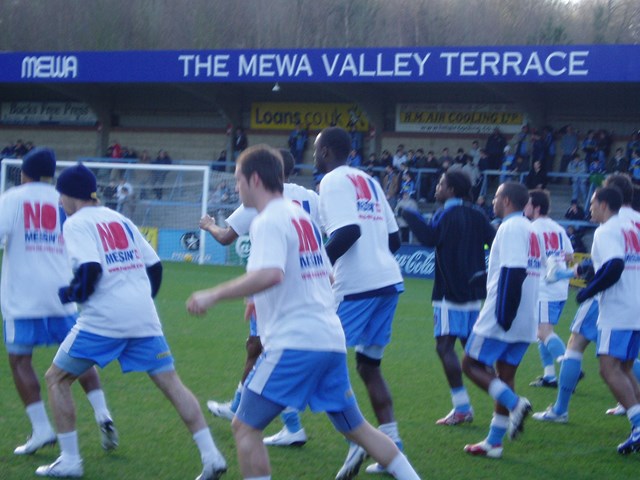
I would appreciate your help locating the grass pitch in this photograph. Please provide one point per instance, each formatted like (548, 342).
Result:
(209, 354)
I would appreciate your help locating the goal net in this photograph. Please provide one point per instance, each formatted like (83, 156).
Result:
(166, 202)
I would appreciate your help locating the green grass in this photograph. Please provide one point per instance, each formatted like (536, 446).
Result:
(209, 355)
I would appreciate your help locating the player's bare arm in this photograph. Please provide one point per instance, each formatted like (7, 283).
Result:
(246, 285)
(224, 236)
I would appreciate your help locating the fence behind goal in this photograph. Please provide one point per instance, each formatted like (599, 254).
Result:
(166, 202)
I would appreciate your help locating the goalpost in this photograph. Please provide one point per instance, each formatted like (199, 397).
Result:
(166, 202)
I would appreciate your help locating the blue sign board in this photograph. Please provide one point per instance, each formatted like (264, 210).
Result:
(549, 63)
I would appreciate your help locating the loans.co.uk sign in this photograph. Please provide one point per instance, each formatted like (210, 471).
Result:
(566, 63)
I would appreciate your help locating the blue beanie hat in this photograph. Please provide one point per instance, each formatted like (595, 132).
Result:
(39, 164)
(78, 182)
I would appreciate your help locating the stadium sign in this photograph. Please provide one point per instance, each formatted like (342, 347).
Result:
(418, 261)
(315, 116)
(444, 118)
(550, 63)
(47, 113)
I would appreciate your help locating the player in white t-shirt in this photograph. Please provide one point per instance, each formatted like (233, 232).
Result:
(238, 224)
(304, 359)
(508, 322)
(557, 249)
(116, 275)
(34, 265)
(616, 260)
(363, 234)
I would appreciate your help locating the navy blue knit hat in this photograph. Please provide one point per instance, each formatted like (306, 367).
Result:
(39, 164)
(78, 182)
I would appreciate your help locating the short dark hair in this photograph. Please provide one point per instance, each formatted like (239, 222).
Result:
(612, 196)
(540, 198)
(288, 161)
(460, 183)
(623, 183)
(338, 141)
(517, 194)
(267, 163)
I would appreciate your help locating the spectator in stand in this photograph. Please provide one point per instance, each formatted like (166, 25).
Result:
(634, 167)
(298, 142)
(618, 163)
(575, 211)
(419, 159)
(405, 202)
(400, 157)
(575, 236)
(354, 160)
(411, 159)
(20, 149)
(549, 141)
(219, 165)
(596, 174)
(495, 149)
(472, 171)
(537, 177)
(431, 178)
(391, 184)
(386, 158)
(356, 138)
(523, 144)
(474, 153)
(577, 168)
(115, 149)
(483, 164)
(633, 144)
(507, 163)
(589, 146)
(537, 148)
(159, 176)
(519, 166)
(445, 157)
(460, 159)
(568, 146)
(240, 142)
(408, 185)
(7, 151)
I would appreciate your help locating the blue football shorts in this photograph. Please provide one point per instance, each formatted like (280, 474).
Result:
(456, 322)
(81, 350)
(296, 378)
(621, 344)
(586, 320)
(21, 336)
(367, 323)
(489, 350)
(549, 312)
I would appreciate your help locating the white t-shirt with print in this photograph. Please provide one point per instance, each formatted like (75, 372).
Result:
(35, 263)
(121, 305)
(349, 196)
(555, 245)
(241, 218)
(299, 313)
(620, 303)
(515, 246)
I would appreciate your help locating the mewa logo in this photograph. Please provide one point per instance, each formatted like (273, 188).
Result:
(50, 66)
(365, 189)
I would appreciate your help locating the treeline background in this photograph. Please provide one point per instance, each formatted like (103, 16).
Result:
(56, 25)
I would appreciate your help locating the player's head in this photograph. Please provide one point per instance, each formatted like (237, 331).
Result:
(331, 148)
(288, 162)
(605, 202)
(39, 165)
(260, 165)
(623, 183)
(455, 184)
(510, 197)
(538, 204)
(77, 186)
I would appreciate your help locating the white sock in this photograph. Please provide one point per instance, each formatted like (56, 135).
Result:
(390, 430)
(401, 469)
(38, 417)
(205, 444)
(99, 404)
(550, 371)
(69, 445)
